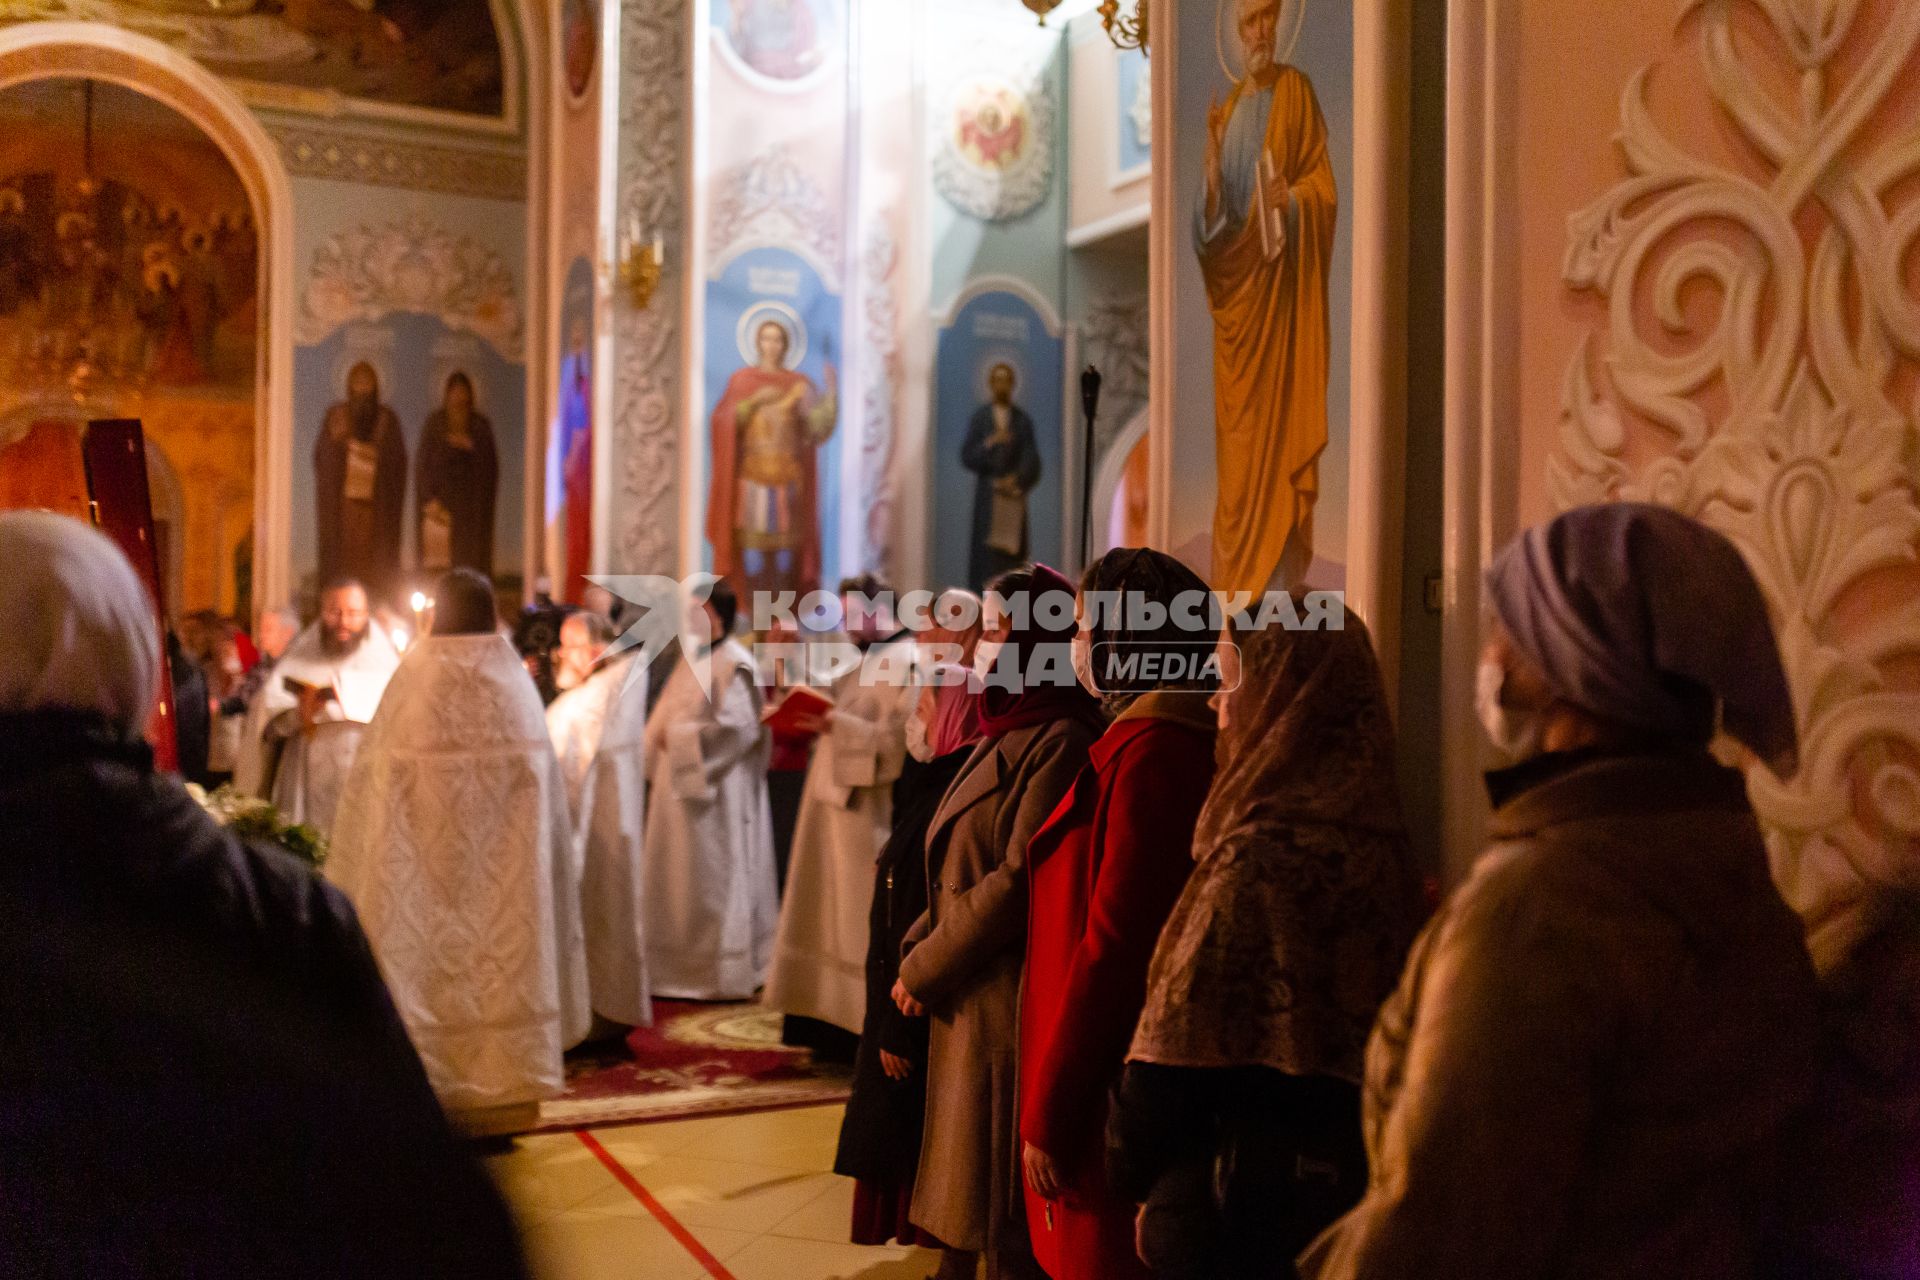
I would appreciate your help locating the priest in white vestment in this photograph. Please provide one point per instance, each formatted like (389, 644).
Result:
(305, 724)
(846, 813)
(711, 899)
(598, 725)
(455, 844)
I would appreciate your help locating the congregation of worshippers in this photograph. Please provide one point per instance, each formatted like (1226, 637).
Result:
(937, 639)
(1134, 968)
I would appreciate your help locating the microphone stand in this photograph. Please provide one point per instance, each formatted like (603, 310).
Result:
(1090, 406)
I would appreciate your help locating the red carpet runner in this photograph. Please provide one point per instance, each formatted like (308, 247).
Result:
(695, 1060)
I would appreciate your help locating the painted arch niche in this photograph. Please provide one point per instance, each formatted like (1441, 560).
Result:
(129, 287)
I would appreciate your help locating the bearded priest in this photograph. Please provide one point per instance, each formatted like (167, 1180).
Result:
(599, 725)
(304, 726)
(455, 844)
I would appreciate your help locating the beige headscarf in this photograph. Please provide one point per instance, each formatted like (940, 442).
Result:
(1299, 915)
(80, 631)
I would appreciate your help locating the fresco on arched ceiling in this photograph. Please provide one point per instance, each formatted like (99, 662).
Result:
(441, 55)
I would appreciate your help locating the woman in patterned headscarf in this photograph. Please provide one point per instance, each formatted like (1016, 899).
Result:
(1238, 1123)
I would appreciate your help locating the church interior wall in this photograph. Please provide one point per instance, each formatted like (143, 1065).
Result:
(579, 244)
(1207, 54)
(1110, 139)
(1691, 324)
(420, 286)
(412, 147)
(131, 279)
(774, 186)
(996, 93)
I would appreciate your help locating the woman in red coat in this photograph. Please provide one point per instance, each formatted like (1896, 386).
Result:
(1107, 869)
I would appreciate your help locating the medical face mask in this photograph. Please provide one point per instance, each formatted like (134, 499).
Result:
(1082, 649)
(919, 746)
(1515, 732)
(985, 654)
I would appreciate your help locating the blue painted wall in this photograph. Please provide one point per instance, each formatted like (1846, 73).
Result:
(414, 352)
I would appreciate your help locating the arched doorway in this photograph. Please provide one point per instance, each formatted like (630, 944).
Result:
(129, 282)
(168, 342)
(1120, 489)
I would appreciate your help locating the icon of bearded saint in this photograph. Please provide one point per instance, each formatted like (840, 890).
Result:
(992, 130)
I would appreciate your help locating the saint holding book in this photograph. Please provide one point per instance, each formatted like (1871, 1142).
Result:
(1265, 243)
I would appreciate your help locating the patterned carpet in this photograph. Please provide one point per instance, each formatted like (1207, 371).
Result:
(695, 1060)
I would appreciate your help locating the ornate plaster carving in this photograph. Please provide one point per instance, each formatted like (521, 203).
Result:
(346, 156)
(1115, 334)
(993, 135)
(1788, 421)
(880, 330)
(651, 184)
(772, 199)
(415, 264)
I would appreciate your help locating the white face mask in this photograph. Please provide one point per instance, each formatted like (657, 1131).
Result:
(985, 654)
(1082, 649)
(1515, 732)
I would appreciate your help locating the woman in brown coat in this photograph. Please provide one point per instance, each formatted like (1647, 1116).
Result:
(964, 957)
(1593, 1059)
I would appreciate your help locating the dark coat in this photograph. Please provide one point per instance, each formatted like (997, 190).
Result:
(201, 1073)
(964, 965)
(1106, 869)
(880, 1137)
(192, 717)
(1598, 1048)
(1018, 458)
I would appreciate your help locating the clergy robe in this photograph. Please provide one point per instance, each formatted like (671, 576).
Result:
(846, 813)
(1017, 459)
(599, 733)
(1267, 290)
(709, 893)
(455, 844)
(304, 775)
(360, 534)
(464, 477)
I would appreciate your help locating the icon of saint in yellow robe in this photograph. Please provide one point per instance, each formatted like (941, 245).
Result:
(1265, 243)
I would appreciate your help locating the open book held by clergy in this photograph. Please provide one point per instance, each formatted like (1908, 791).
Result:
(801, 703)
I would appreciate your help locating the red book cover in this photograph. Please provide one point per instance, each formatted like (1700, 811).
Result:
(800, 702)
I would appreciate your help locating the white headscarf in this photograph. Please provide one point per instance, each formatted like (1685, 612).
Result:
(78, 622)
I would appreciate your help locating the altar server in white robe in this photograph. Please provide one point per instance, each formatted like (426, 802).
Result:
(599, 728)
(455, 844)
(709, 892)
(846, 813)
(297, 749)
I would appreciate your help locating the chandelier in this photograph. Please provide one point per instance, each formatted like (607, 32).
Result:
(1126, 33)
(1042, 8)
